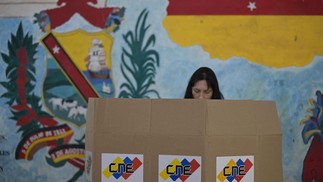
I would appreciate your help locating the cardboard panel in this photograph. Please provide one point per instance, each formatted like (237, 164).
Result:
(206, 128)
(89, 124)
(120, 144)
(269, 158)
(178, 117)
(231, 118)
(126, 116)
(90, 115)
(266, 117)
(173, 145)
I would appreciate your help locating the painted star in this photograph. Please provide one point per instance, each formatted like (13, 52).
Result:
(252, 6)
(56, 50)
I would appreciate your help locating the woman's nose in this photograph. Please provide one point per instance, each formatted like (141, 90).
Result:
(201, 96)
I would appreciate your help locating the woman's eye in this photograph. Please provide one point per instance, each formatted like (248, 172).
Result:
(208, 91)
(196, 90)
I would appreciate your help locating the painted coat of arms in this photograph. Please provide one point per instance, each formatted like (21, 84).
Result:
(76, 71)
(79, 66)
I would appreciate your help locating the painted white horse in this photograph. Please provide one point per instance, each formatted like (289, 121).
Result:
(75, 112)
(69, 103)
(59, 103)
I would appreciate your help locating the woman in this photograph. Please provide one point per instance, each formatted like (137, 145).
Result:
(203, 85)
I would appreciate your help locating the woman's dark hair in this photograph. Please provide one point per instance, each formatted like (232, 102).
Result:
(204, 73)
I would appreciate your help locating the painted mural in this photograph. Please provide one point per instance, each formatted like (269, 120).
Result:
(51, 63)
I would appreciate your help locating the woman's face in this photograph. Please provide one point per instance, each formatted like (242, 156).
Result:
(200, 90)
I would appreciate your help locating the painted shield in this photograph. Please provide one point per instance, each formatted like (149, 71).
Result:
(78, 67)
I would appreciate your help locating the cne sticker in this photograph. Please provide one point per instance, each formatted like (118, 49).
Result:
(235, 169)
(122, 167)
(175, 168)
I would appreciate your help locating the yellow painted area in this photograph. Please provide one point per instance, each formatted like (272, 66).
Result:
(68, 156)
(312, 132)
(277, 41)
(45, 139)
(78, 43)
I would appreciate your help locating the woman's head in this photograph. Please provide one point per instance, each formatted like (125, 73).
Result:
(203, 84)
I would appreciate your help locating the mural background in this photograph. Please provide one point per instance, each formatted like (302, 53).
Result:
(291, 87)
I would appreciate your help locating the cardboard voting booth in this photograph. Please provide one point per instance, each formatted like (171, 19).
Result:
(154, 140)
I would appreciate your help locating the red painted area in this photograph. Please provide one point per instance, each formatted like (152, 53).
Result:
(95, 16)
(69, 67)
(240, 7)
(313, 162)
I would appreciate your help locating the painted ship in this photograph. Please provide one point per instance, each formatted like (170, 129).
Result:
(96, 61)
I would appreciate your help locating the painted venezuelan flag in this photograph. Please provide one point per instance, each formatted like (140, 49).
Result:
(277, 33)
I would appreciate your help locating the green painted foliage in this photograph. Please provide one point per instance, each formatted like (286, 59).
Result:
(139, 62)
(18, 42)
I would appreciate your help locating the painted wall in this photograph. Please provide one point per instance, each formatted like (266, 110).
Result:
(259, 51)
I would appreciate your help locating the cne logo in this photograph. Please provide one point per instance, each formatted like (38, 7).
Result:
(121, 167)
(235, 169)
(179, 169)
